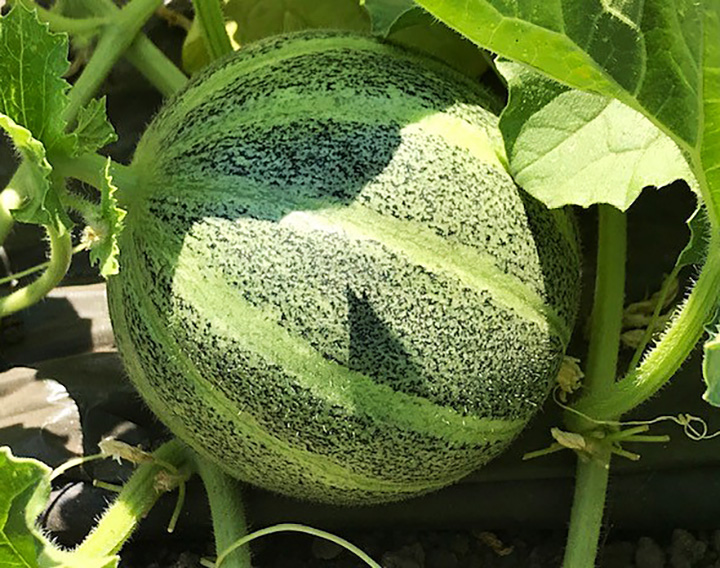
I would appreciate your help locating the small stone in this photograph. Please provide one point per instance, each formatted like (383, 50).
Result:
(323, 549)
(685, 550)
(649, 554)
(440, 558)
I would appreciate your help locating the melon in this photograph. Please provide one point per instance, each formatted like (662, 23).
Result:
(329, 285)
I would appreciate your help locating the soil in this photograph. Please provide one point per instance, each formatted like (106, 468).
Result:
(448, 549)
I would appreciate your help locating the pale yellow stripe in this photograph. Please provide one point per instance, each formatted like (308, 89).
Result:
(423, 247)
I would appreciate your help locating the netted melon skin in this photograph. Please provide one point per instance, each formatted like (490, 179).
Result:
(328, 283)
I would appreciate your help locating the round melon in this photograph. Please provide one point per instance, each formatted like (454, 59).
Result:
(329, 285)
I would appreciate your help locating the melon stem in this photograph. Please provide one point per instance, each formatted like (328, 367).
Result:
(601, 369)
(227, 512)
(90, 168)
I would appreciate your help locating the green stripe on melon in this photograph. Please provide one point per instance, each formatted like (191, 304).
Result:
(329, 284)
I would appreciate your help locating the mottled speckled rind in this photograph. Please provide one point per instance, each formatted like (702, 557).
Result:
(329, 284)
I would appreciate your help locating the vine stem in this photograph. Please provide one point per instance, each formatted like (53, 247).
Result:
(60, 23)
(210, 16)
(227, 511)
(592, 475)
(116, 38)
(133, 503)
(60, 257)
(669, 353)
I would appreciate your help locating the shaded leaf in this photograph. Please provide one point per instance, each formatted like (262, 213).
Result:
(660, 57)
(387, 15)
(570, 147)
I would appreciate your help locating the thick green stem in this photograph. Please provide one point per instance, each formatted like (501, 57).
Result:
(606, 318)
(60, 256)
(600, 371)
(228, 513)
(669, 353)
(90, 168)
(133, 503)
(155, 66)
(212, 22)
(591, 479)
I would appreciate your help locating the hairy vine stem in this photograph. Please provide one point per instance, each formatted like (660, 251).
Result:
(60, 256)
(669, 353)
(133, 503)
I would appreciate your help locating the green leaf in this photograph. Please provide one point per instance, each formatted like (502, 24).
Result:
(696, 249)
(570, 147)
(660, 57)
(39, 203)
(387, 14)
(32, 98)
(24, 490)
(418, 30)
(711, 363)
(93, 129)
(33, 93)
(104, 250)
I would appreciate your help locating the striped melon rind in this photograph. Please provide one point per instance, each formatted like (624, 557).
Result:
(329, 284)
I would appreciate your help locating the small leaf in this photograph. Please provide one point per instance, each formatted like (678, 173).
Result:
(696, 249)
(569, 147)
(93, 129)
(106, 230)
(711, 363)
(386, 15)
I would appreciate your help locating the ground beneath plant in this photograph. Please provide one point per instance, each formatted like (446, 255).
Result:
(446, 549)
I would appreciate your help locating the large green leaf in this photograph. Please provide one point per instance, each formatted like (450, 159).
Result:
(571, 147)
(32, 98)
(33, 93)
(660, 57)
